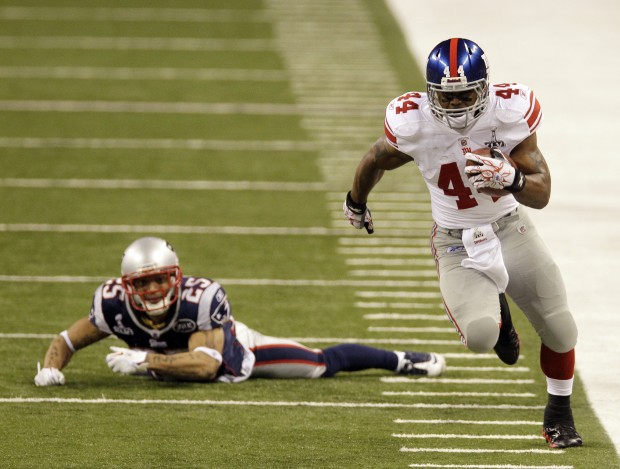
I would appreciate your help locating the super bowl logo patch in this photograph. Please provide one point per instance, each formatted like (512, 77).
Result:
(521, 229)
(479, 237)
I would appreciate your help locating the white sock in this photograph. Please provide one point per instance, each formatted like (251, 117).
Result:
(560, 387)
(401, 358)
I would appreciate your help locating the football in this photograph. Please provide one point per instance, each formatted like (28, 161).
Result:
(487, 152)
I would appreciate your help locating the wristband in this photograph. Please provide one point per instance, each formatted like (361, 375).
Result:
(217, 356)
(355, 207)
(65, 336)
(518, 184)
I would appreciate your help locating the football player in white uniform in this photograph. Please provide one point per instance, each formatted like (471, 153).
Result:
(475, 145)
(180, 327)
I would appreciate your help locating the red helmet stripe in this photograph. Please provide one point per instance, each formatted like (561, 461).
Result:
(454, 47)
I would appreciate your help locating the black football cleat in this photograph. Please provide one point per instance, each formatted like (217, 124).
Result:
(508, 347)
(562, 435)
(508, 344)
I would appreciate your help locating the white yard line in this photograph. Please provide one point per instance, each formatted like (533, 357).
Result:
(157, 144)
(486, 466)
(493, 381)
(168, 15)
(162, 107)
(377, 405)
(458, 394)
(141, 73)
(482, 451)
(393, 273)
(308, 340)
(44, 183)
(469, 422)
(435, 330)
(408, 317)
(135, 43)
(456, 436)
(226, 281)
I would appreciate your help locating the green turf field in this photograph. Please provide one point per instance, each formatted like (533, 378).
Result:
(233, 130)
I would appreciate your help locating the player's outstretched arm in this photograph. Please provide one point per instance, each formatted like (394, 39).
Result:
(379, 158)
(62, 348)
(201, 363)
(529, 159)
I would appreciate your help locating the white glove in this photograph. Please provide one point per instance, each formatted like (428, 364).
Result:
(127, 361)
(358, 214)
(49, 377)
(494, 173)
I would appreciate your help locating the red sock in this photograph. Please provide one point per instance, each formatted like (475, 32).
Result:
(557, 365)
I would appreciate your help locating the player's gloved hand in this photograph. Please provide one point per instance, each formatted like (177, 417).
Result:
(127, 361)
(494, 173)
(49, 377)
(358, 214)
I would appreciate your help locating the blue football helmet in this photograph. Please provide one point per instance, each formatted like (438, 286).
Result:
(457, 80)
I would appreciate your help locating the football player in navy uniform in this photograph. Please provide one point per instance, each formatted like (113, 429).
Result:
(181, 327)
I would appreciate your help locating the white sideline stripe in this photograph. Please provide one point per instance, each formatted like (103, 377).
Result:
(232, 281)
(167, 15)
(399, 380)
(410, 329)
(142, 73)
(485, 466)
(469, 422)
(466, 450)
(446, 436)
(44, 183)
(308, 340)
(458, 394)
(103, 400)
(159, 144)
(399, 317)
(135, 43)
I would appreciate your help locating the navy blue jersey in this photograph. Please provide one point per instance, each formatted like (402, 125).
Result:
(202, 305)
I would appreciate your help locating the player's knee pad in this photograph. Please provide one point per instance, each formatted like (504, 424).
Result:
(560, 332)
(482, 334)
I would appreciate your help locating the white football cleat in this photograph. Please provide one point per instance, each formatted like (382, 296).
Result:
(419, 363)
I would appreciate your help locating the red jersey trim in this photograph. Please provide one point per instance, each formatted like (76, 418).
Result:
(533, 114)
(391, 138)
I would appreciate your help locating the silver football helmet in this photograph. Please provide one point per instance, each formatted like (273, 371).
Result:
(151, 275)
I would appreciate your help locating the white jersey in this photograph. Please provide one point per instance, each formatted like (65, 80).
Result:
(513, 115)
